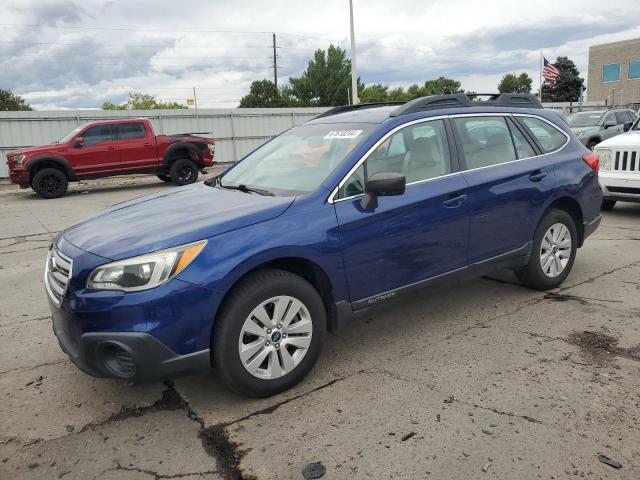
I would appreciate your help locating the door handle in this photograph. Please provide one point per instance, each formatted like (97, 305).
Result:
(537, 176)
(112, 148)
(148, 144)
(455, 201)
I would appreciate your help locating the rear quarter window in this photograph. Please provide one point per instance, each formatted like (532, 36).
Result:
(548, 137)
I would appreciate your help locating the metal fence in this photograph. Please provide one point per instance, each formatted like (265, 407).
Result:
(236, 131)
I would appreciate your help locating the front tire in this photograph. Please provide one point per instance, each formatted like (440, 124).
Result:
(554, 251)
(608, 205)
(50, 183)
(184, 171)
(269, 333)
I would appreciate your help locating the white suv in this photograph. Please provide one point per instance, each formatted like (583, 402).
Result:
(620, 167)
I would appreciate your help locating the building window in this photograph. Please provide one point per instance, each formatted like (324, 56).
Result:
(611, 72)
(634, 69)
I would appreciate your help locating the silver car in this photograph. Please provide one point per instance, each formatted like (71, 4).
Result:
(594, 127)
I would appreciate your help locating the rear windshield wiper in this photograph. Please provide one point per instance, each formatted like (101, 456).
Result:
(244, 188)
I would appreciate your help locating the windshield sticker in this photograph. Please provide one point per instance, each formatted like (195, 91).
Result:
(349, 134)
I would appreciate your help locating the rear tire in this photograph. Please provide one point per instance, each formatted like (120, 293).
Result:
(184, 171)
(591, 144)
(164, 177)
(50, 183)
(608, 205)
(259, 347)
(553, 253)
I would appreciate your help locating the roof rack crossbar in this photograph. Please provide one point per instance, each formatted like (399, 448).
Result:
(358, 106)
(518, 100)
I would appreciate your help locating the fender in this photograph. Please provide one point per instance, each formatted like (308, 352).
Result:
(170, 153)
(51, 158)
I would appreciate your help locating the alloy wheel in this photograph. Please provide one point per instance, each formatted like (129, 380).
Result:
(275, 337)
(555, 250)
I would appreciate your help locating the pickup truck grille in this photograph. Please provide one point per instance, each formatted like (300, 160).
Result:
(626, 161)
(56, 275)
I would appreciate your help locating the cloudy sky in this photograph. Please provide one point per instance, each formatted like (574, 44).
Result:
(75, 54)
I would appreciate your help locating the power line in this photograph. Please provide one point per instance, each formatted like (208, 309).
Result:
(163, 30)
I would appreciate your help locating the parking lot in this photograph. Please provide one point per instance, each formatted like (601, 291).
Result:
(489, 380)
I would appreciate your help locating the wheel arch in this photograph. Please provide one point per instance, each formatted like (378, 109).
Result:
(304, 267)
(49, 161)
(181, 150)
(573, 208)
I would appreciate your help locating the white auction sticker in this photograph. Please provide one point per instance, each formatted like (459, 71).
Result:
(343, 134)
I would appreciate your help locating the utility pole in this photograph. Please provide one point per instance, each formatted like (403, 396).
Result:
(195, 102)
(275, 63)
(354, 76)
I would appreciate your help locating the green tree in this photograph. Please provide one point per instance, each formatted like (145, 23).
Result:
(511, 83)
(442, 86)
(10, 102)
(568, 86)
(265, 94)
(374, 93)
(327, 80)
(142, 101)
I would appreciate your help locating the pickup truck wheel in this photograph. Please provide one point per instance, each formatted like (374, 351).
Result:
(164, 177)
(553, 252)
(269, 333)
(608, 205)
(183, 171)
(50, 183)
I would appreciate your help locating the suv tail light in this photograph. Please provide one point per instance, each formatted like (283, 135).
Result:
(593, 161)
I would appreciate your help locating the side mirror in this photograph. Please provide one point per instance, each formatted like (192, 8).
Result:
(627, 126)
(78, 142)
(384, 184)
(609, 123)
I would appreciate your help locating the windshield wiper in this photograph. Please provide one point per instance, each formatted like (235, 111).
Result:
(244, 188)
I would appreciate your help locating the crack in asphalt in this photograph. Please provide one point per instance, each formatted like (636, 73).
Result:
(26, 320)
(451, 398)
(158, 476)
(32, 367)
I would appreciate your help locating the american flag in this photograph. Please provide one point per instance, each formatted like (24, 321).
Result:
(550, 72)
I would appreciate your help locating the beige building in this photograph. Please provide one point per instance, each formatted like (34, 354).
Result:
(614, 73)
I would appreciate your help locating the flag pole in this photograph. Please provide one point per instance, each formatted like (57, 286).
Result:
(540, 66)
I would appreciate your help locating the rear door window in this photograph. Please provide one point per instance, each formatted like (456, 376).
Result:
(485, 141)
(622, 117)
(130, 131)
(548, 137)
(97, 134)
(523, 147)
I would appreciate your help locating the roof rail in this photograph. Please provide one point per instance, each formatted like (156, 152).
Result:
(521, 100)
(358, 106)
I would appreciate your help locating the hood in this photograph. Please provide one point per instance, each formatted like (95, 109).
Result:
(169, 218)
(578, 130)
(50, 148)
(630, 139)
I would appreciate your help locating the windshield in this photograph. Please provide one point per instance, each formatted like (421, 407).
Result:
(584, 119)
(68, 136)
(299, 160)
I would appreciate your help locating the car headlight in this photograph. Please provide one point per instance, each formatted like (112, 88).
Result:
(19, 159)
(605, 157)
(146, 271)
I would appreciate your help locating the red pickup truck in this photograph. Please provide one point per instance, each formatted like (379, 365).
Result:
(105, 148)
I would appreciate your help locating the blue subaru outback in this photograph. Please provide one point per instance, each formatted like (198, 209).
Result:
(248, 271)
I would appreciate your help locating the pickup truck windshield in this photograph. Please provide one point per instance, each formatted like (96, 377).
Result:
(68, 136)
(584, 119)
(299, 160)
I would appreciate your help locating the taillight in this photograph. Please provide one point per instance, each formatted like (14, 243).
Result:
(593, 161)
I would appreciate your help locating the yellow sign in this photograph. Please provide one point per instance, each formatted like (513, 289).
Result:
(191, 101)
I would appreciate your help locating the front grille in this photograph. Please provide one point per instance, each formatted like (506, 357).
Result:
(56, 275)
(635, 191)
(626, 161)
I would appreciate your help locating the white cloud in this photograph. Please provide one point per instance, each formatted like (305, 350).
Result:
(164, 48)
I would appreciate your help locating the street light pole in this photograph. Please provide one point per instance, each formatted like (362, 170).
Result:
(354, 76)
